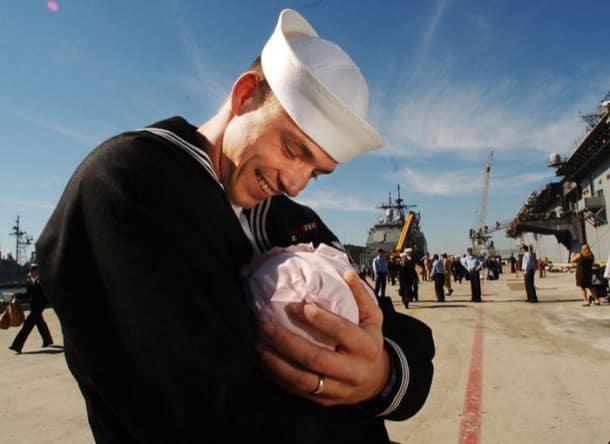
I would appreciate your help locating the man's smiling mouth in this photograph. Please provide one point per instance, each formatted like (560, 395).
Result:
(264, 184)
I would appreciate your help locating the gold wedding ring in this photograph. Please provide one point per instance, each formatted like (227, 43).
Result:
(320, 386)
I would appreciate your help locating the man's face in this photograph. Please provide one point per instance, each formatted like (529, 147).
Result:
(265, 153)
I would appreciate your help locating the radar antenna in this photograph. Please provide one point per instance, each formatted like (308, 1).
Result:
(398, 205)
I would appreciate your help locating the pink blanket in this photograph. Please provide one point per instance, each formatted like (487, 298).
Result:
(300, 273)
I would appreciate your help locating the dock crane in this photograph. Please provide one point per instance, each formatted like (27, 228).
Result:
(481, 236)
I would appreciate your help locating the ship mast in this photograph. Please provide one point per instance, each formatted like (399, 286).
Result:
(398, 205)
(22, 240)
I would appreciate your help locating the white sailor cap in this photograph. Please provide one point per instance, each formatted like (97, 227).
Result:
(408, 250)
(320, 87)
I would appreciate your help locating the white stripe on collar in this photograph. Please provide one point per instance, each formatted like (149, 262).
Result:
(264, 223)
(196, 153)
(258, 224)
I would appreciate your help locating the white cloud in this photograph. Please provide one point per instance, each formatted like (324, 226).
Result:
(435, 108)
(450, 117)
(512, 182)
(23, 203)
(430, 32)
(464, 181)
(207, 82)
(62, 130)
(329, 200)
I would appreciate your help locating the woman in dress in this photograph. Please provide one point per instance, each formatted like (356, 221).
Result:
(584, 273)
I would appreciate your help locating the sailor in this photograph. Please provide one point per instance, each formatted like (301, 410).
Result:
(473, 264)
(179, 342)
(410, 276)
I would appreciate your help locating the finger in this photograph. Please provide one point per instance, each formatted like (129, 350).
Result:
(368, 310)
(300, 382)
(305, 354)
(348, 336)
(286, 374)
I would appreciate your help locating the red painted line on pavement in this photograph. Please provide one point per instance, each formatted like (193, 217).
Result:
(470, 427)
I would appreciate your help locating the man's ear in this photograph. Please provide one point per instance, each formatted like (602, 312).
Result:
(245, 92)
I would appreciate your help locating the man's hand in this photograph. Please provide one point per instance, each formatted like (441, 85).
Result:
(354, 372)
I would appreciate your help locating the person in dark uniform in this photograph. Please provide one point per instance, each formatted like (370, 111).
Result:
(393, 269)
(38, 302)
(411, 275)
(167, 333)
(403, 280)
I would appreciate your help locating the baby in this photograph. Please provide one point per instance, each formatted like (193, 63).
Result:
(300, 273)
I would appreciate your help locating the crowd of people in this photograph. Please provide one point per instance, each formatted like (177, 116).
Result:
(407, 271)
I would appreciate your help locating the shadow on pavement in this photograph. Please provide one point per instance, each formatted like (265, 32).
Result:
(442, 305)
(540, 301)
(486, 301)
(53, 350)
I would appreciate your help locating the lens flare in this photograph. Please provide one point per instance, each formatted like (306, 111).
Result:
(52, 5)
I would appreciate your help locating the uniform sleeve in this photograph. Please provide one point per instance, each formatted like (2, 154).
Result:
(410, 345)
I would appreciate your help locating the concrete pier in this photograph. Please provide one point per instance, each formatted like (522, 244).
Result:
(505, 372)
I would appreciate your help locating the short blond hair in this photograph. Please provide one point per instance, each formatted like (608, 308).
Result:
(266, 95)
(264, 88)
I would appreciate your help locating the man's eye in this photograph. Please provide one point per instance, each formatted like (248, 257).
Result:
(290, 152)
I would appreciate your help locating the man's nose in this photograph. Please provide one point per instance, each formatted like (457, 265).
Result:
(295, 179)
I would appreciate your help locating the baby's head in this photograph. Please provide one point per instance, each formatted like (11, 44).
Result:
(300, 273)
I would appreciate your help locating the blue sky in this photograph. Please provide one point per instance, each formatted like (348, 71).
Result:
(449, 81)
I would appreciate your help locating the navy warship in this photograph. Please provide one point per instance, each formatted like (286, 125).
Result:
(398, 229)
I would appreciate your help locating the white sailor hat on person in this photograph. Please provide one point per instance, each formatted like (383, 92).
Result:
(320, 87)
(408, 250)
